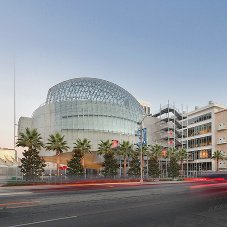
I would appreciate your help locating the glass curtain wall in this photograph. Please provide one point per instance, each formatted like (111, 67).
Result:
(95, 116)
(96, 105)
(199, 118)
(200, 142)
(198, 130)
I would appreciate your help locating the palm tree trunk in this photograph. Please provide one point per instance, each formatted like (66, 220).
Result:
(124, 166)
(29, 158)
(58, 162)
(217, 165)
(82, 160)
(182, 166)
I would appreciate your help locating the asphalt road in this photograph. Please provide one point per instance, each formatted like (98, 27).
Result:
(185, 204)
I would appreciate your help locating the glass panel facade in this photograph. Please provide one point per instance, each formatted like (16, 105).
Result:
(201, 154)
(199, 118)
(198, 130)
(93, 104)
(202, 166)
(200, 142)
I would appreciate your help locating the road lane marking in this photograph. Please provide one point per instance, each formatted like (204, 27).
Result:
(6, 204)
(18, 207)
(15, 193)
(38, 222)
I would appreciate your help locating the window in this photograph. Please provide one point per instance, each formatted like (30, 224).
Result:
(198, 130)
(209, 153)
(200, 142)
(202, 154)
(209, 127)
(209, 116)
(209, 140)
(199, 118)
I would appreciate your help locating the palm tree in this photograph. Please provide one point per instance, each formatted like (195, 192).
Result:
(171, 152)
(31, 160)
(125, 149)
(171, 155)
(104, 147)
(218, 155)
(30, 139)
(156, 151)
(134, 165)
(181, 155)
(110, 163)
(83, 146)
(145, 151)
(57, 142)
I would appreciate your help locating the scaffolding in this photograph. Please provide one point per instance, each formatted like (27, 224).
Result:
(171, 123)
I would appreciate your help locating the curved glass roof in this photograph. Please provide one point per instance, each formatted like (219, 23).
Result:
(93, 104)
(91, 89)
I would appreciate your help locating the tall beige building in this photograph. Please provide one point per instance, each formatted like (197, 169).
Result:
(221, 136)
(146, 106)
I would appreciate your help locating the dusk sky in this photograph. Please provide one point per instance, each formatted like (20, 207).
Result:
(156, 50)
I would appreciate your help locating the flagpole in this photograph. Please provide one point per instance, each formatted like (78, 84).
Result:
(14, 106)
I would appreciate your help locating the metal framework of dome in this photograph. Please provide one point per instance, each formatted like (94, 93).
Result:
(90, 105)
(91, 89)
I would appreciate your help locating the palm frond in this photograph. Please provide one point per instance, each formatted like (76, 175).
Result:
(56, 142)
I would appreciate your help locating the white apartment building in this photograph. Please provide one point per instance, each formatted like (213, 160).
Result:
(199, 137)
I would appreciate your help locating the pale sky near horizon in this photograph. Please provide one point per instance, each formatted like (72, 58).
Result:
(157, 50)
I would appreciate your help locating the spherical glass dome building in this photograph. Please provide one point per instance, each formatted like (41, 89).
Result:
(88, 108)
(94, 105)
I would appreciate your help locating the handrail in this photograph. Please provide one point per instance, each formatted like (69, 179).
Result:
(166, 106)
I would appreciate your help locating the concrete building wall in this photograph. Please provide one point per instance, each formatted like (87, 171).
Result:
(220, 134)
(152, 127)
(44, 121)
(23, 123)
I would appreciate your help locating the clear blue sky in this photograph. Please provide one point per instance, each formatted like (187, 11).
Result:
(157, 50)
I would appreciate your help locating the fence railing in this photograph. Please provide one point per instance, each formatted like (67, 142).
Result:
(50, 175)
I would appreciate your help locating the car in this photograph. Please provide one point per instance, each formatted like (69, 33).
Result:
(214, 176)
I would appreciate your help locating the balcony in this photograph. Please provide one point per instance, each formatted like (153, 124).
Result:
(221, 142)
(220, 129)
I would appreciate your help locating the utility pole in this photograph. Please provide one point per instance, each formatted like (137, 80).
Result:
(141, 150)
(141, 155)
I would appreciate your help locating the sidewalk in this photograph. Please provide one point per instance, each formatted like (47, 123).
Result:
(2, 182)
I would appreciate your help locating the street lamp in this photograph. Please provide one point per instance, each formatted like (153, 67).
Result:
(141, 144)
